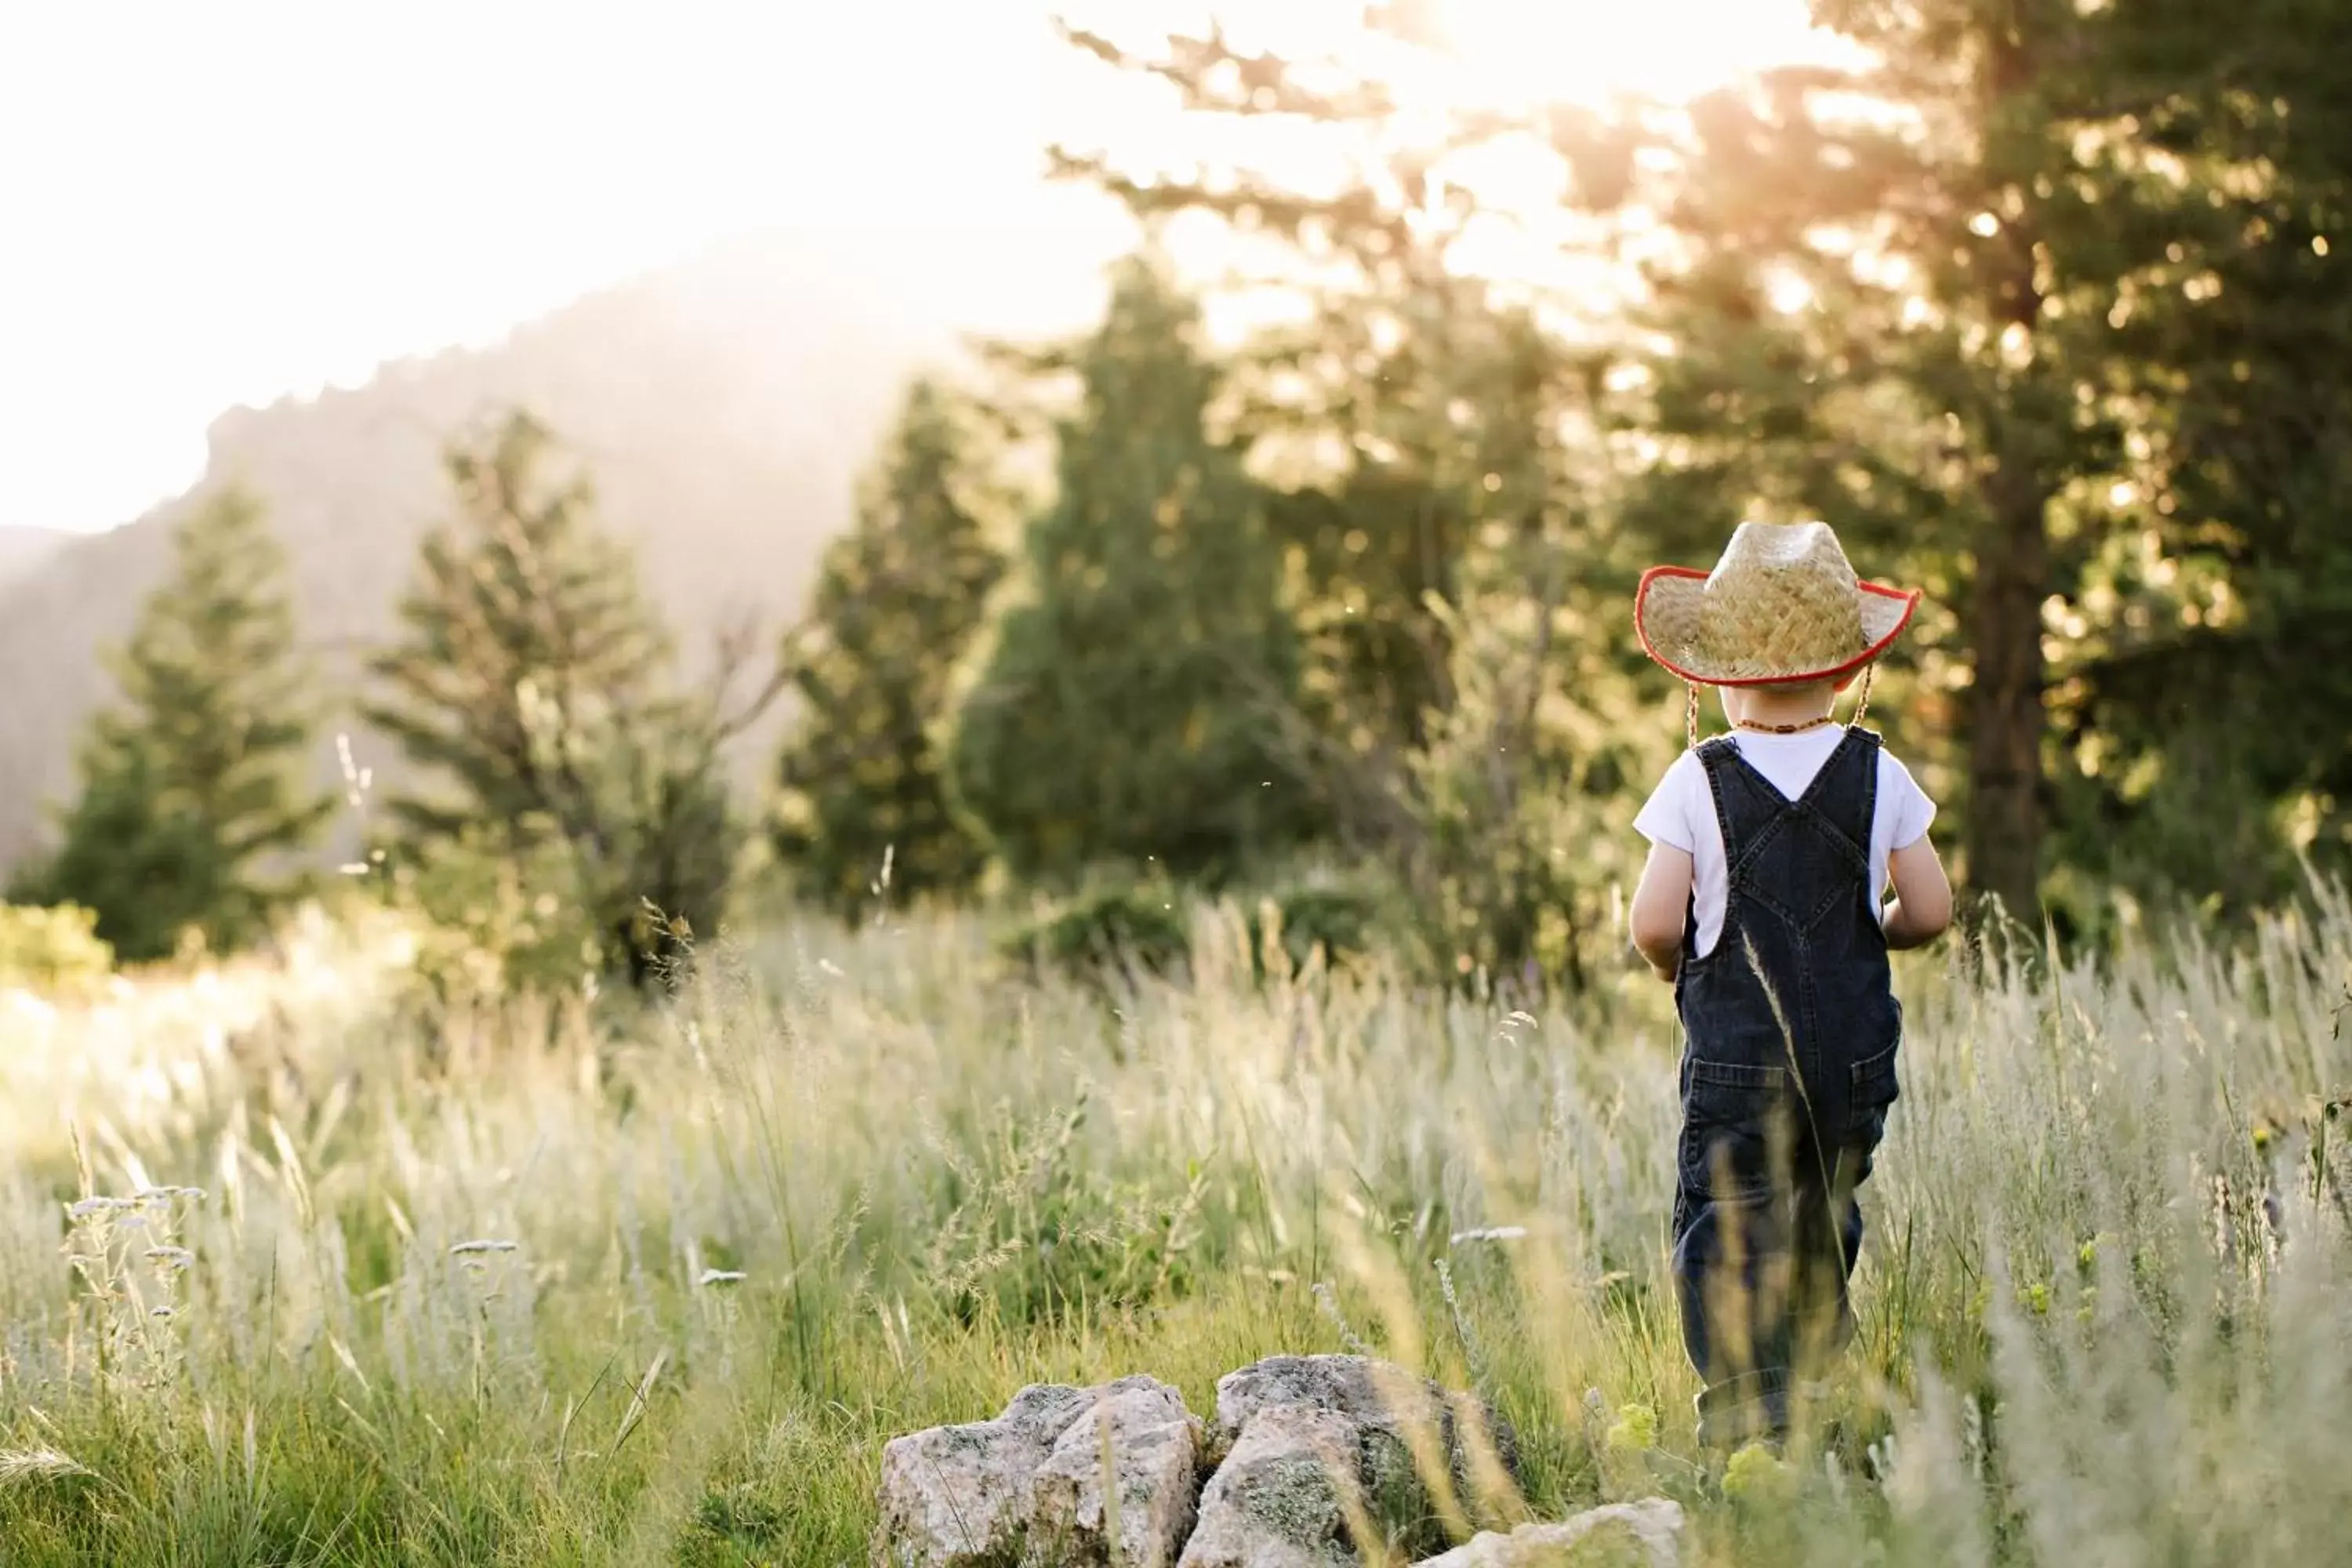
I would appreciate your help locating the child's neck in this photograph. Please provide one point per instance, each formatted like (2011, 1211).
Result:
(1764, 707)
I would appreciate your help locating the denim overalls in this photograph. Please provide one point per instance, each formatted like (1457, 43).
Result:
(1792, 1025)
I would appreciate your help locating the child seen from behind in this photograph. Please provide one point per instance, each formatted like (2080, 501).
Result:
(1763, 903)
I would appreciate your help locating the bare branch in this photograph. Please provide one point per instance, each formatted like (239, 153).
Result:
(735, 649)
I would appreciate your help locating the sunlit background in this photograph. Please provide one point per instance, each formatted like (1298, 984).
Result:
(726, 726)
(226, 204)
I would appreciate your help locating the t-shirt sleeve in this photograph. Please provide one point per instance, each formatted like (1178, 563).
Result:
(1665, 817)
(1913, 813)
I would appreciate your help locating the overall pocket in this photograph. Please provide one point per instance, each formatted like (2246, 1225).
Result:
(1727, 1140)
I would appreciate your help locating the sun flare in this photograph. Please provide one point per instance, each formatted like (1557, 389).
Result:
(1510, 53)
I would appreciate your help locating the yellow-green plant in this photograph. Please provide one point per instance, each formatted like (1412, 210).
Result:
(52, 949)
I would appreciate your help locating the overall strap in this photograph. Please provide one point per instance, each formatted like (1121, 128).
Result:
(1865, 747)
(1715, 755)
(1751, 812)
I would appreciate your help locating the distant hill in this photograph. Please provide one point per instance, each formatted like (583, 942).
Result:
(724, 408)
(22, 549)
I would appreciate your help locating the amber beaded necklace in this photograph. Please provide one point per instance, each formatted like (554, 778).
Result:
(1785, 729)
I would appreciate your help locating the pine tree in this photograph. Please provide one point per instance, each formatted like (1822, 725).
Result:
(527, 637)
(193, 786)
(1375, 548)
(898, 603)
(1127, 710)
(1452, 515)
(2220, 623)
(532, 683)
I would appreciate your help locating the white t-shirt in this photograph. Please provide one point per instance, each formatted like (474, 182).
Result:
(1681, 812)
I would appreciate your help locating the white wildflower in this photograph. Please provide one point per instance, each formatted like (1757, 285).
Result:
(1489, 1233)
(720, 1277)
(471, 1248)
(161, 1195)
(163, 1312)
(170, 1256)
(89, 1206)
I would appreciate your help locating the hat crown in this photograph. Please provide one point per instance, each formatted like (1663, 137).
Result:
(1782, 585)
(1759, 551)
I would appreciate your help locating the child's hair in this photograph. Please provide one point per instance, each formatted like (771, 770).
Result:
(1690, 707)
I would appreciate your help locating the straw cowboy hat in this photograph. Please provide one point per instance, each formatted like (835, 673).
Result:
(1782, 606)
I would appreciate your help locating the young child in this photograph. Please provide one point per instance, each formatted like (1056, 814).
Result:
(1763, 903)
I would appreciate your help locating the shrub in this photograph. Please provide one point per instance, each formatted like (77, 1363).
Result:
(490, 923)
(1139, 926)
(1146, 927)
(1341, 919)
(52, 949)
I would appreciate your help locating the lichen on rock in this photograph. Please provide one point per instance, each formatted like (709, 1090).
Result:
(1282, 1497)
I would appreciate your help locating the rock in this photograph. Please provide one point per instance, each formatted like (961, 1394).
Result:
(1275, 1501)
(1655, 1524)
(1346, 1385)
(1026, 1488)
(1313, 1448)
(1481, 1451)
(958, 1497)
(1314, 1455)
(1154, 1462)
(1373, 1395)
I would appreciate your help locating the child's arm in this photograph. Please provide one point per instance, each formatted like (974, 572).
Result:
(1661, 908)
(1922, 896)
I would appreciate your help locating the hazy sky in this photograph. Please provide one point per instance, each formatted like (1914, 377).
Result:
(213, 202)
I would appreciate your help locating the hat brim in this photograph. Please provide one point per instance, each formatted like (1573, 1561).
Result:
(1885, 613)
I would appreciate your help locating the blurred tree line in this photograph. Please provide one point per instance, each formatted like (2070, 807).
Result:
(2040, 308)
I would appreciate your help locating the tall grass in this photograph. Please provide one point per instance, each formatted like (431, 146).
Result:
(533, 1285)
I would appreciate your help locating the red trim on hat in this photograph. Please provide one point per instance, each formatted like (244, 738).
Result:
(1641, 596)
